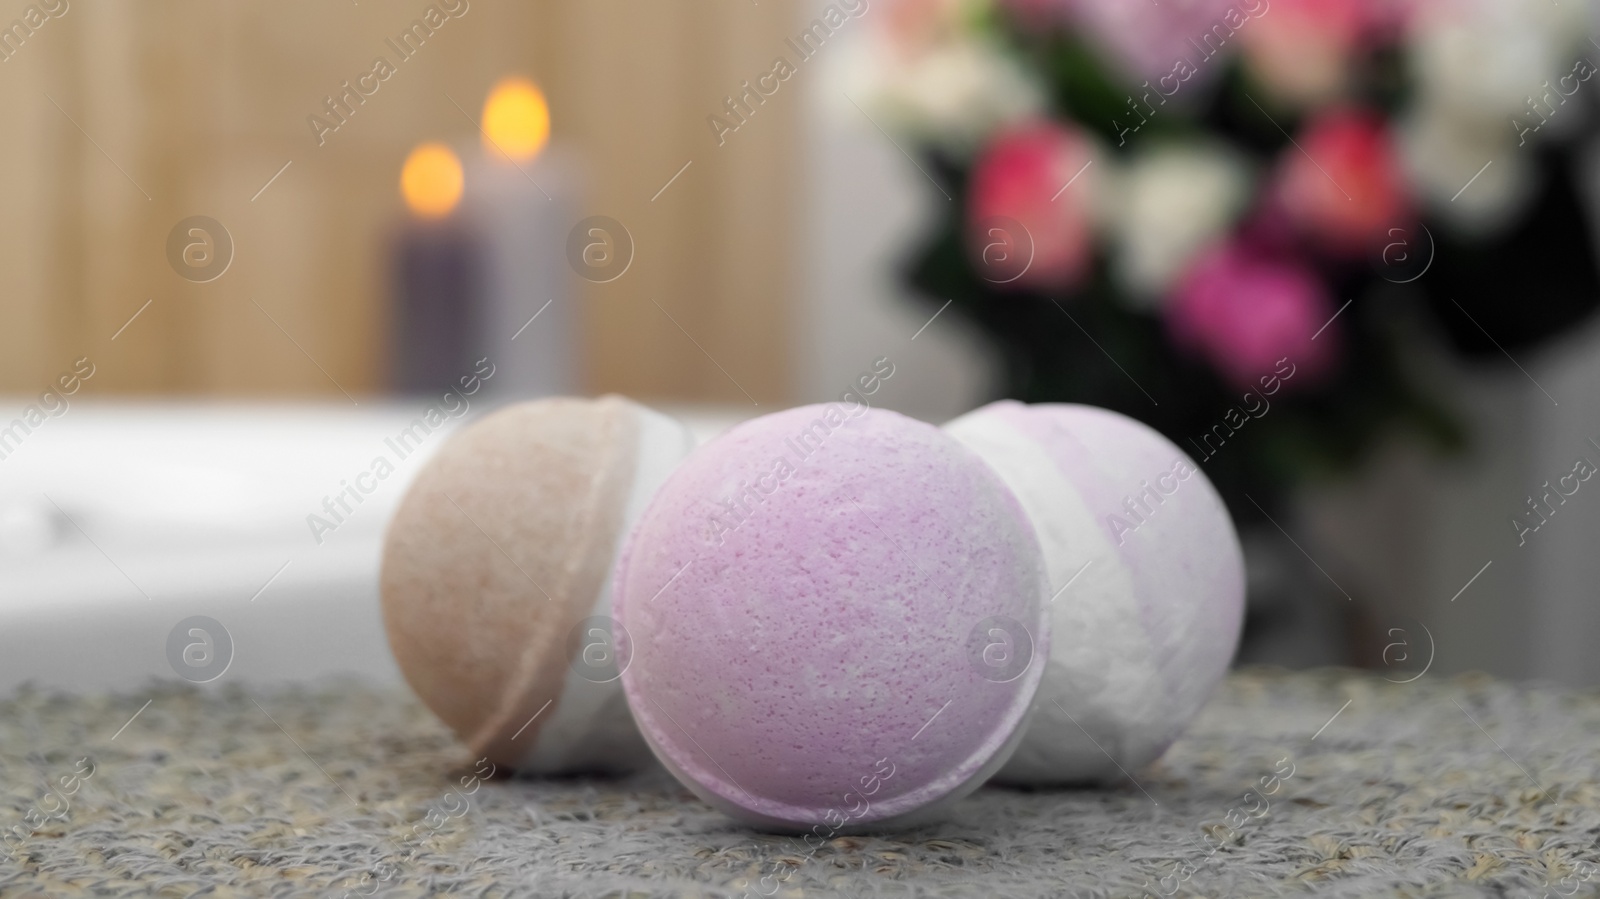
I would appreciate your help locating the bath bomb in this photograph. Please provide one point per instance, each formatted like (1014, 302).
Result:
(1146, 577)
(837, 620)
(496, 579)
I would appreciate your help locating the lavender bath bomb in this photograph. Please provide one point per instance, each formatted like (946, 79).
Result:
(496, 579)
(1147, 580)
(837, 619)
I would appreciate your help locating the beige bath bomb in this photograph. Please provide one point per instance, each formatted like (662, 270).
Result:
(496, 579)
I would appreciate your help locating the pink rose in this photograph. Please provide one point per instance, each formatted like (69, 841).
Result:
(1252, 317)
(913, 27)
(1025, 226)
(1148, 39)
(1303, 50)
(1344, 184)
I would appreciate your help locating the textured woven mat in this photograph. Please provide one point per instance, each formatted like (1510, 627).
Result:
(1434, 788)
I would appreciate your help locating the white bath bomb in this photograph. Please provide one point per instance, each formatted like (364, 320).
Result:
(1147, 579)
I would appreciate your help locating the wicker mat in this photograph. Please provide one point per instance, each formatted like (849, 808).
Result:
(1464, 787)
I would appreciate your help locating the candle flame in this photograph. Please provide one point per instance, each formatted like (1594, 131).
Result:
(516, 120)
(431, 180)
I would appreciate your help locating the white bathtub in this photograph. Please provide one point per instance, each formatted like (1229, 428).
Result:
(118, 521)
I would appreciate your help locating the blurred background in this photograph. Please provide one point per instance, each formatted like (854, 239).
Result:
(1341, 253)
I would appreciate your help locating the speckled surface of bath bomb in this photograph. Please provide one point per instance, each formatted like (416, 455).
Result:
(837, 620)
(1147, 579)
(496, 579)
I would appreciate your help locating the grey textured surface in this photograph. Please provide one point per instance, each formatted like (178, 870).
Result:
(1434, 788)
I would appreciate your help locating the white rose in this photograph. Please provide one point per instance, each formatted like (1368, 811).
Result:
(1444, 160)
(953, 94)
(1481, 60)
(1170, 202)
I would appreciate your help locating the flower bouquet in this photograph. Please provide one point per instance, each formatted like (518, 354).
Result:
(1249, 223)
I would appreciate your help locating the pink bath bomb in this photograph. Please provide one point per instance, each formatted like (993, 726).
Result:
(837, 620)
(1146, 577)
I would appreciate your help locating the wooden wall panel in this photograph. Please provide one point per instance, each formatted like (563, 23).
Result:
(188, 108)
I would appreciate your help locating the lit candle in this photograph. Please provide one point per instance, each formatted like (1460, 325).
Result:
(520, 197)
(438, 277)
